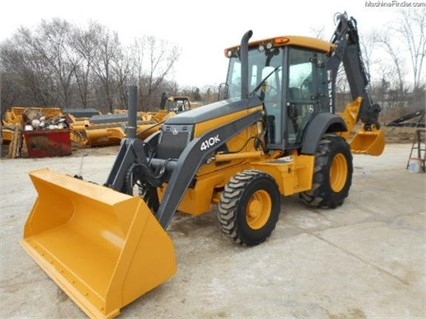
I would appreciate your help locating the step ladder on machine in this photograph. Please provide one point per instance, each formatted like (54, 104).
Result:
(418, 151)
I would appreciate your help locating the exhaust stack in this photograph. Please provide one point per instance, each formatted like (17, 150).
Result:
(244, 64)
(132, 112)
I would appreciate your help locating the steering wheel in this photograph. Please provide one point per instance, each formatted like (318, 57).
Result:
(305, 86)
(270, 91)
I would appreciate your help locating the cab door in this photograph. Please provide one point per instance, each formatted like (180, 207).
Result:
(307, 92)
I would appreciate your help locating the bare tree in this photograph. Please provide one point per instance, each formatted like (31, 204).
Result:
(137, 53)
(61, 64)
(404, 43)
(156, 58)
(32, 81)
(50, 44)
(318, 32)
(9, 77)
(84, 42)
(123, 65)
(412, 27)
(395, 53)
(108, 49)
(369, 43)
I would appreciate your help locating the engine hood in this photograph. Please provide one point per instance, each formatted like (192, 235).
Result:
(214, 110)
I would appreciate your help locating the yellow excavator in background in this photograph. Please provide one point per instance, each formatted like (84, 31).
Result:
(276, 134)
(176, 103)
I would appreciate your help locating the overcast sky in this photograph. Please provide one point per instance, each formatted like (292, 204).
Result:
(203, 29)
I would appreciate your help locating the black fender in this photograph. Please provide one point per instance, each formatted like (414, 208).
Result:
(321, 124)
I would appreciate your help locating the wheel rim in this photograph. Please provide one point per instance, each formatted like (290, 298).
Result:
(338, 173)
(258, 209)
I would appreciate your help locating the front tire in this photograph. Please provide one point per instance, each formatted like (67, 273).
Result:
(249, 207)
(332, 175)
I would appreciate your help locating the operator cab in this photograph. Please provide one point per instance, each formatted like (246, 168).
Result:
(290, 78)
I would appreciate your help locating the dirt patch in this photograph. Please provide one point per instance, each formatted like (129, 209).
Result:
(400, 134)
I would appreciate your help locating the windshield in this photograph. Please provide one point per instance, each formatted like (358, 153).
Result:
(264, 72)
(287, 113)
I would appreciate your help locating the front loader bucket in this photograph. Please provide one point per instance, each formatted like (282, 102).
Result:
(368, 142)
(102, 247)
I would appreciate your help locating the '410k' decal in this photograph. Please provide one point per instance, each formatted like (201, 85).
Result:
(209, 142)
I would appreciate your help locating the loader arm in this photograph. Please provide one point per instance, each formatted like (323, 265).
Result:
(192, 158)
(182, 170)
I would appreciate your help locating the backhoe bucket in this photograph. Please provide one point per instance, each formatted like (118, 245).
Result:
(368, 142)
(102, 247)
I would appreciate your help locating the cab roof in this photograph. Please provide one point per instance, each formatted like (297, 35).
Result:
(300, 41)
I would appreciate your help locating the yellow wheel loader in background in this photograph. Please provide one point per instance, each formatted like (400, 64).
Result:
(276, 134)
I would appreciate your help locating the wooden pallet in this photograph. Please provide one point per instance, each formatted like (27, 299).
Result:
(16, 143)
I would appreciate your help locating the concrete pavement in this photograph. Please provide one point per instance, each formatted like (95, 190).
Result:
(365, 259)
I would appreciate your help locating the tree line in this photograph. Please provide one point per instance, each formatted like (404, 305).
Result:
(61, 64)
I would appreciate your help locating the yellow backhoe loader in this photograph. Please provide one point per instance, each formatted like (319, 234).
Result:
(275, 134)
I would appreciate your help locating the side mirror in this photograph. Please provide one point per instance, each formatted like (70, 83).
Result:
(223, 91)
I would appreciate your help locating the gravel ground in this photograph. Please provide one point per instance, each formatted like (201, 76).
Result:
(365, 259)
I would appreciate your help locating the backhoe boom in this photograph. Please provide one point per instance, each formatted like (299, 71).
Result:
(348, 51)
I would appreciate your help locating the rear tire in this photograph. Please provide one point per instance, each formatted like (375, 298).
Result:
(332, 175)
(249, 207)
